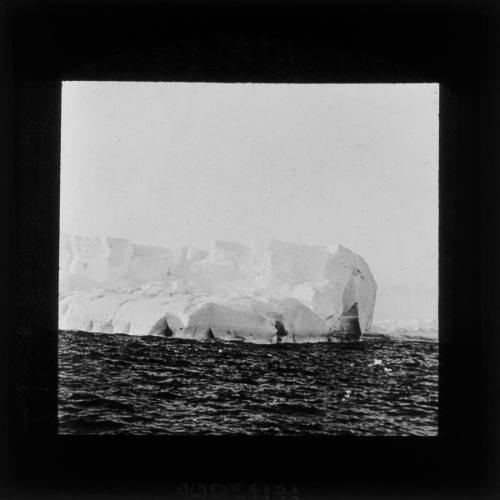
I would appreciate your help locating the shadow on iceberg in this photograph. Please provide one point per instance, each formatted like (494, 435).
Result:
(161, 329)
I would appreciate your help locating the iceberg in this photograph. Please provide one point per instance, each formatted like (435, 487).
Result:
(272, 293)
(413, 327)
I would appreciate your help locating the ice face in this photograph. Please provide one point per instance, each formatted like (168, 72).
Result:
(279, 292)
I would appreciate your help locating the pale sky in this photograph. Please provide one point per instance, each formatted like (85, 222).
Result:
(169, 164)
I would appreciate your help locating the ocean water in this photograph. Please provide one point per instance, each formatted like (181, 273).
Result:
(120, 384)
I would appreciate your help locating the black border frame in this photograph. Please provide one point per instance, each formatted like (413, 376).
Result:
(453, 43)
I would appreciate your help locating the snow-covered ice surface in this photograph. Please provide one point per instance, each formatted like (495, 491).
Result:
(295, 292)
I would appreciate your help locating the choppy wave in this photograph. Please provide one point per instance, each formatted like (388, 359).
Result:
(121, 384)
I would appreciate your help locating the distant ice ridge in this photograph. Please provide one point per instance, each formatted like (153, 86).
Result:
(274, 292)
(407, 328)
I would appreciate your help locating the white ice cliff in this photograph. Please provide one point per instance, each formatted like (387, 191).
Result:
(279, 292)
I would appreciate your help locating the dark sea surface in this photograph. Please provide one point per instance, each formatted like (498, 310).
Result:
(121, 384)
